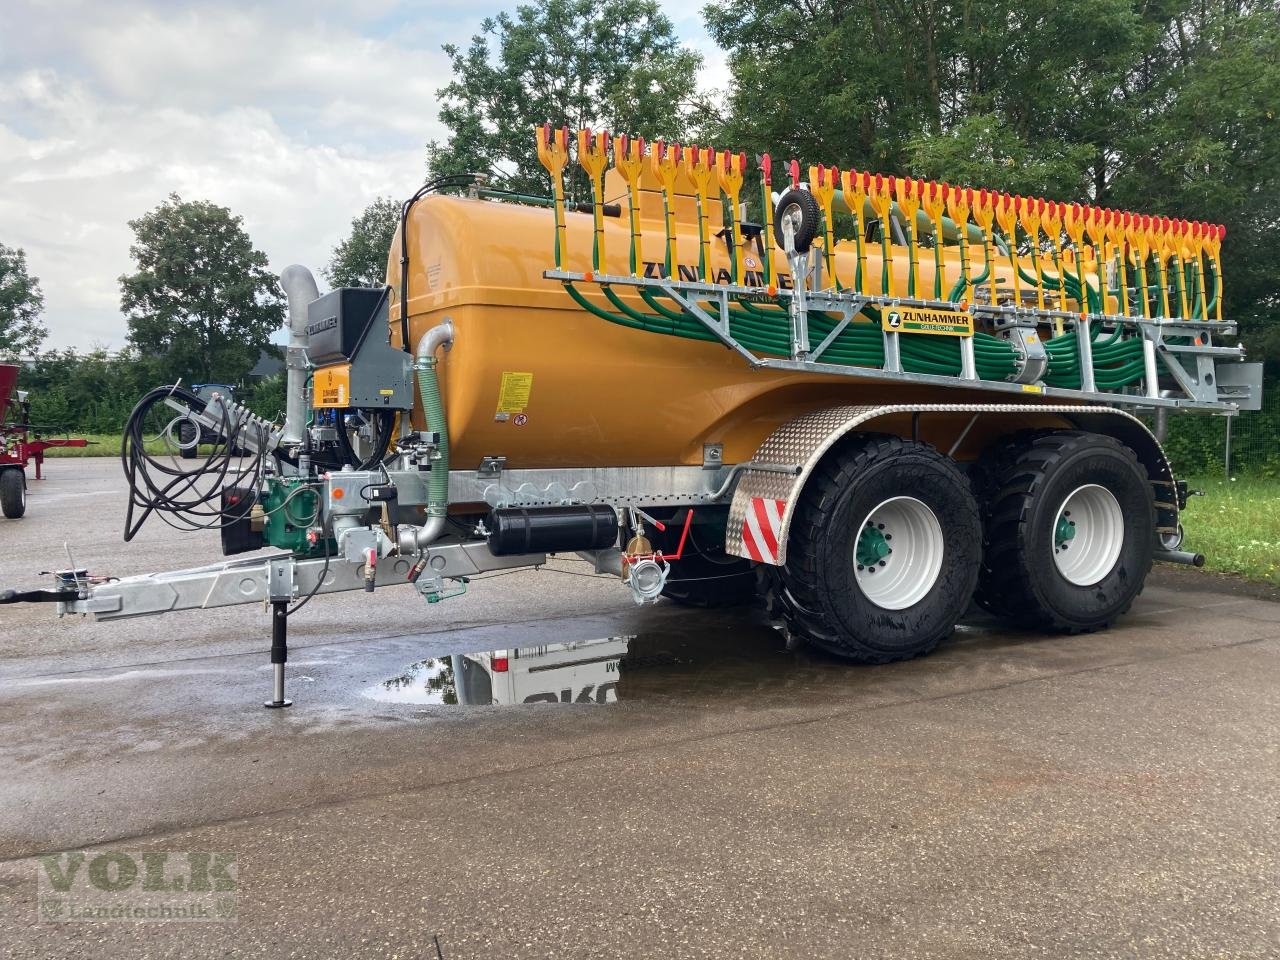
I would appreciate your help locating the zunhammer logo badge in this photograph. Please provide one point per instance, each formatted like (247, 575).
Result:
(918, 320)
(328, 323)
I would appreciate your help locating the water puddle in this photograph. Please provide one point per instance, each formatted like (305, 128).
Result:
(720, 659)
(712, 661)
(585, 671)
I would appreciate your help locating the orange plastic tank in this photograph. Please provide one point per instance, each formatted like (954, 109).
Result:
(537, 379)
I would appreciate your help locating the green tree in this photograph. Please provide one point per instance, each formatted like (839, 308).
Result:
(88, 392)
(21, 303)
(613, 64)
(1208, 148)
(361, 259)
(202, 303)
(1165, 108)
(1018, 90)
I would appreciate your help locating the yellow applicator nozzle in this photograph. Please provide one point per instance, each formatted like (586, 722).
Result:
(878, 194)
(854, 187)
(1213, 246)
(593, 157)
(1006, 210)
(628, 160)
(822, 184)
(553, 153)
(1028, 211)
(766, 239)
(699, 167)
(1139, 245)
(1073, 223)
(664, 161)
(984, 216)
(1113, 229)
(909, 204)
(729, 177)
(959, 200)
(933, 202)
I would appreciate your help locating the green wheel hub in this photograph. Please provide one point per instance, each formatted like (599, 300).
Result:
(872, 546)
(1064, 532)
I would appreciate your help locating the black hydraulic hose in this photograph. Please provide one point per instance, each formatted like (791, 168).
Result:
(168, 491)
(383, 428)
(439, 183)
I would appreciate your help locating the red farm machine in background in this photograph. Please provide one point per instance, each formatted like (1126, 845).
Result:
(20, 444)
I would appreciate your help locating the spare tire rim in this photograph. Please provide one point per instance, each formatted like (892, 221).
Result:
(1088, 535)
(792, 216)
(898, 555)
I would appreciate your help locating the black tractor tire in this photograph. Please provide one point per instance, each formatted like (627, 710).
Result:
(188, 431)
(804, 206)
(13, 493)
(1027, 485)
(821, 600)
(711, 583)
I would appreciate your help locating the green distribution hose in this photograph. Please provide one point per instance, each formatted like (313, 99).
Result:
(1117, 359)
(860, 344)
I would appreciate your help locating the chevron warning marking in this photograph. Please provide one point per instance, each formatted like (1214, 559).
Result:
(762, 530)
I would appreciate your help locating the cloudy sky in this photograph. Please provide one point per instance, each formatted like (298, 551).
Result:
(295, 115)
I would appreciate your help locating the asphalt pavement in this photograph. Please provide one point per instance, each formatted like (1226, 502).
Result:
(705, 792)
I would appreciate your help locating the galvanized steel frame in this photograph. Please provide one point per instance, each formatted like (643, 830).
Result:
(1200, 393)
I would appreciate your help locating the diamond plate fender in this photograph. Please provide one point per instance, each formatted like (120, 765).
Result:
(805, 440)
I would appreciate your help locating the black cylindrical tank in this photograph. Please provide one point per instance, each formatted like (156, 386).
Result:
(518, 530)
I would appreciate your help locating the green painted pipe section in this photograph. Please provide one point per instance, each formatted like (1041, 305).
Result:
(433, 410)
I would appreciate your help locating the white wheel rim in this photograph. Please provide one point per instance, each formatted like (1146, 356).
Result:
(898, 554)
(792, 217)
(1088, 534)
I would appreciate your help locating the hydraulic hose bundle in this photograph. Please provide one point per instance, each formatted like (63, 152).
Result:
(185, 497)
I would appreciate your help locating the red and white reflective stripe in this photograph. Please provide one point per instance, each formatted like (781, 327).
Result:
(762, 530)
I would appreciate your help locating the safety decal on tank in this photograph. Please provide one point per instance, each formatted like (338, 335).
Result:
(762, 530)
(514, 391)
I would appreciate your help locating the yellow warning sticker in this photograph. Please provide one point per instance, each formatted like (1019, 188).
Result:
(513, 394)
(1032, 388)
(331, 386)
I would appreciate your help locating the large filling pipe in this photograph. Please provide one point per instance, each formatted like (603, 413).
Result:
(415, 539)
(300, 287)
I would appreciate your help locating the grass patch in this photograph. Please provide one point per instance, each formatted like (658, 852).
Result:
(1236, 525)
(100, 445)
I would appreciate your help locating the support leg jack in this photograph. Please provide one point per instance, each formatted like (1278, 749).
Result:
(279, 654)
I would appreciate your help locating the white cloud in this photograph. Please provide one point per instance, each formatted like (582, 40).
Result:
(71, 190)
(686, 17)
(293, 115)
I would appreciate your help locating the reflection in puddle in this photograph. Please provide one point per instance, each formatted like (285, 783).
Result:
(585, 671)
(427, 681)
(724, 660)
(705, 662)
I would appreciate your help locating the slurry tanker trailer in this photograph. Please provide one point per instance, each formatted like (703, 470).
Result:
(885, 399)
